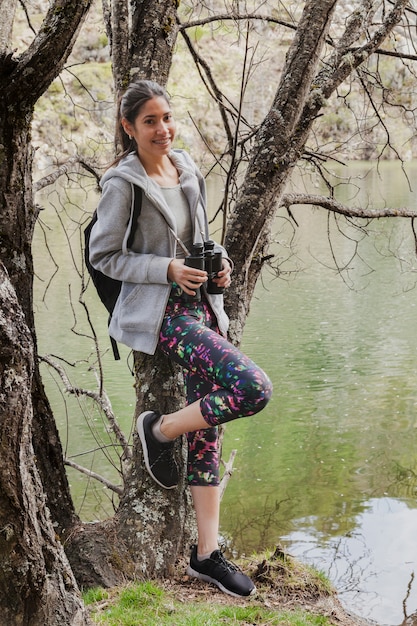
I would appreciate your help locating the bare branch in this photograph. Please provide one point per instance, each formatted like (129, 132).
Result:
(26, 12)
(116, 488)
(380, 121)
(290, 199)
(222, 17)
(211, 87)
(34, 71)
(343, 64)
(392, 53)
(63, 169)
(101, 399)
(228, 470)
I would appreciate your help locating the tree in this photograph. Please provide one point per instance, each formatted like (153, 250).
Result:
(37, 585)
(303, 92)
(142, 36)
(316, 65)
(36, 582)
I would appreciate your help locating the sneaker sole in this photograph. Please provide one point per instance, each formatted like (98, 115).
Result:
(209, 579)
(141, 433)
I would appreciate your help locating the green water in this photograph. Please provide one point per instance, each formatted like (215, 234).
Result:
(329, 468)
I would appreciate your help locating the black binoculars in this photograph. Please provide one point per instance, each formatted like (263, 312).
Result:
(203, 257)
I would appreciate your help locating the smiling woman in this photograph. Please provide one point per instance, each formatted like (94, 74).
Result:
(164, 305)
(153, 132)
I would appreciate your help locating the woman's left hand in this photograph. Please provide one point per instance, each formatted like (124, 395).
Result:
(224, 276)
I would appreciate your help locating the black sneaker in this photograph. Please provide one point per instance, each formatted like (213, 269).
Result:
(158, 457)
(222, 573)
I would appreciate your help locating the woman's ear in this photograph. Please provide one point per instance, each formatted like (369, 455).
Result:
(127, 127)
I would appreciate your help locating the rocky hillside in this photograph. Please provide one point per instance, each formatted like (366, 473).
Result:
(76, 115)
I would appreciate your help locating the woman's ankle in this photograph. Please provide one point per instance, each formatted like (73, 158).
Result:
(158, 433)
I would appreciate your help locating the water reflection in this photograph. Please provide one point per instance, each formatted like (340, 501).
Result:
(370, 567)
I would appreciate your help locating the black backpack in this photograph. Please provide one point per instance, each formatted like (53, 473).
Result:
(108, 289)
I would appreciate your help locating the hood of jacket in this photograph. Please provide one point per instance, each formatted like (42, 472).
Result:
(131, 169)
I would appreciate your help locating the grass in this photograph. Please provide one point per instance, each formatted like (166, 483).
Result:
(147, 604)
(284, 586)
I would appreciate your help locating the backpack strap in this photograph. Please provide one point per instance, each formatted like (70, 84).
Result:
(114, 347)
(137, 207)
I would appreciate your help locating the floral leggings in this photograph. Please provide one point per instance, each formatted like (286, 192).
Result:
(228, 384)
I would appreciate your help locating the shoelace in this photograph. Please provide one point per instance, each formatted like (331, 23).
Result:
(167, 455)
(221, 560)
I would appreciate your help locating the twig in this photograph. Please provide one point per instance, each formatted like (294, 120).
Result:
(101, 399)
(116, 488)
(228, 471)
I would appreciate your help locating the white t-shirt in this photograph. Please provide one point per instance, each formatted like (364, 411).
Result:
(178, 203)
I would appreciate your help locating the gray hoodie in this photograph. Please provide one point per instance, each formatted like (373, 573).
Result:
(143, 269)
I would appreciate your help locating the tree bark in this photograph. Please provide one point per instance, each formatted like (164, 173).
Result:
(18, 217)
(6, 25)
(37, 586)
(142, 34)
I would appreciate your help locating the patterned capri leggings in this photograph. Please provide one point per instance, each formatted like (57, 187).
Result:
(228, 384)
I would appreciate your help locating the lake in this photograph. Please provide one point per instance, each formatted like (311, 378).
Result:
(329, 468)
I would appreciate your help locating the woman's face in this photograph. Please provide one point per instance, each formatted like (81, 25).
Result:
(153, 129)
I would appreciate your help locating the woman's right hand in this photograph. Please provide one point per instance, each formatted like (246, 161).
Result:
(188, 278)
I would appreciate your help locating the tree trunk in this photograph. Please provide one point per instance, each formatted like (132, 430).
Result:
(141, 45)
(272, 159)
(37, 586)
(18, 217)
(158, 524)
(152, 526)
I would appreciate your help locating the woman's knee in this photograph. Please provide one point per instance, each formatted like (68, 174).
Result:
(257, 391)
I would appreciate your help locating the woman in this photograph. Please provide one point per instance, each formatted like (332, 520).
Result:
(158, 309)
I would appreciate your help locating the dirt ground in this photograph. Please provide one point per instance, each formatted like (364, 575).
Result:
(282, 583)
(192, 590)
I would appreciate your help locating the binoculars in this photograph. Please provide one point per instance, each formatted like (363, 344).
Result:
(203, 257)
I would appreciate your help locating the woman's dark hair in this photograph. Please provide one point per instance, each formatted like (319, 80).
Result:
(129, 106)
